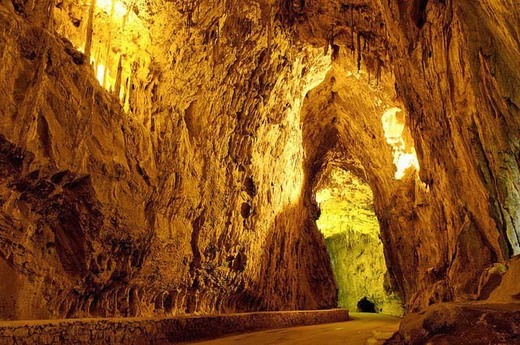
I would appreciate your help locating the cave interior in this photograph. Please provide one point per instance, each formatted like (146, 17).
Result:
(167, 158)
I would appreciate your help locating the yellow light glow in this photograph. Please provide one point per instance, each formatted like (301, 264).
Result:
(351, 230)
(120, 8)
(404, 157)
(393, 124)
(406, 161)
(100, 73)
(346, 205)
(292, 158)
(323, 195)
(114, 33)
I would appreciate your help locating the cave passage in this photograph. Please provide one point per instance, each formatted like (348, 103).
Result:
(176, 170)
(351, 232)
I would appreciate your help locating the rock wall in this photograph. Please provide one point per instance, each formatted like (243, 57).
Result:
(459, 80)
(157, 331)
(190, 202)
(494, 318)
(453, 67)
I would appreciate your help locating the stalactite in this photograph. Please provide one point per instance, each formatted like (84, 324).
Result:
(127, 14)
(358, 52)
(42, 13)
(96, 62)
(117, 85)
(90, 24)
(352, 30)
(331, 39)
(126, 94)
(215, 38)
(109, 43)
(270, 26)
(379, 70)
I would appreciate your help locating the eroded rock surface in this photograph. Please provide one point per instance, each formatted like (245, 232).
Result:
(494, 319)
(448, 323)
(172, 207)
(454, 71)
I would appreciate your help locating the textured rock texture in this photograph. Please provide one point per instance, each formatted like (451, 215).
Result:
(448, 323)
(456, 73)
(190, 202)
(187, 184)
(493, 319)
(459, 80)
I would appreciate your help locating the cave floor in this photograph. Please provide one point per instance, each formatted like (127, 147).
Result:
(363, 329)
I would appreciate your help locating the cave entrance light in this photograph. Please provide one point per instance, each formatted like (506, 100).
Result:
(351, 232)
(114, 38)
(119, 8)
(403, 151)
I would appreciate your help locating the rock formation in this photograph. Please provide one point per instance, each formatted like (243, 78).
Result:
(162, 157)
(173, 206)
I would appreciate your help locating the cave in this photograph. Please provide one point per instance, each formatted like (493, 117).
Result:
(178, 170)
(352, 237)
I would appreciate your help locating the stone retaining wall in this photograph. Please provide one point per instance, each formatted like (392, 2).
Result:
(140, 331)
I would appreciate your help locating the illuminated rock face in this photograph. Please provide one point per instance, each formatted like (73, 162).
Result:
(184, 182)
(456, 75)
(351, 230)
(465, 127)
(191, 202)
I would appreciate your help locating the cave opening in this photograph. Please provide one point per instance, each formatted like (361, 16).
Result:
(352, 235)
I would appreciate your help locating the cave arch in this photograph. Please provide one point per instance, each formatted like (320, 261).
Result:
(352, 236)
(344, 130)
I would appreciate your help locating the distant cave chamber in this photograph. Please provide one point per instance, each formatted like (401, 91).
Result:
(351, 230)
